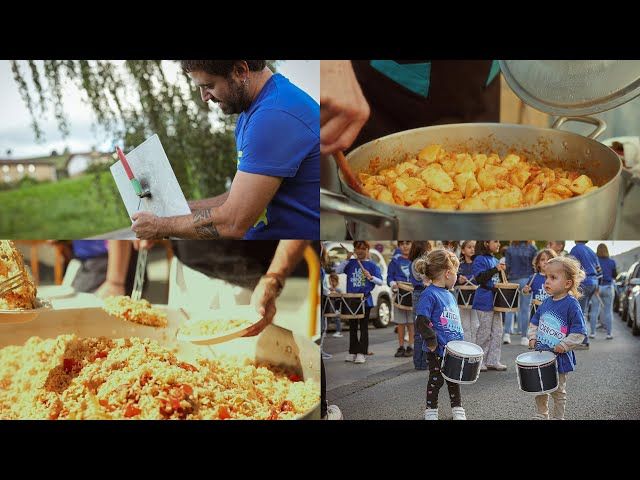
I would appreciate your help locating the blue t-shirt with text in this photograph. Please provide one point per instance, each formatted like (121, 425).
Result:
(555, 320)
(440, 306)
(483, 299)
(357, 282)
(537, 287)
(399, 270)
(279, 136)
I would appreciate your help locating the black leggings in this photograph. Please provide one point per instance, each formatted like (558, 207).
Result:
(359, 345)
(436, 380)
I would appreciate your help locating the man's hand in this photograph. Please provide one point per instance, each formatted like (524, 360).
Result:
(343, 108)
(264, 300)
(146, 225)
(109, 289)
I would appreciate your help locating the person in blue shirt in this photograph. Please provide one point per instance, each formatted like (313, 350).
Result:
(591, 267)
(468, 317)
(419, 282)
(486, 270)
(605, 292)
(519, 258)
(535, 285)
(275, 191)
(400, 271)
(362, 277)
(558, 326)
(438, 321)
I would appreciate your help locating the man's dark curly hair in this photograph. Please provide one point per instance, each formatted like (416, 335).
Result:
(219, 67)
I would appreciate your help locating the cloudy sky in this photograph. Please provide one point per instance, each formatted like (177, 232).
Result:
(15, 124)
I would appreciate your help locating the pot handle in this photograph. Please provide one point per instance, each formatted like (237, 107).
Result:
(335, 203)
(600, 125)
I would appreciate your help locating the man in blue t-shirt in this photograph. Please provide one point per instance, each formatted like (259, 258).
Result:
(275, 193)
(589, 263)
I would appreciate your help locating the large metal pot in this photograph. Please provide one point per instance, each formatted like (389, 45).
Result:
(587, 216)
(274, 345)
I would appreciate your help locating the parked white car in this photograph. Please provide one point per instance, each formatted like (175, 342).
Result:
(381, 294)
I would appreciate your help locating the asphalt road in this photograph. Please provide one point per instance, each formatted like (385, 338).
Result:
(605, 386)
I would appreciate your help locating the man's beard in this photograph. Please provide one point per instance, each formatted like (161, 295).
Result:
(238, 100)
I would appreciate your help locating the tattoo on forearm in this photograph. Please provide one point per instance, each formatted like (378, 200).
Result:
(206, 230)
(201, 215)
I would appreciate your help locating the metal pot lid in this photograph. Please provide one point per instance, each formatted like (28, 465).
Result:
(573, 87)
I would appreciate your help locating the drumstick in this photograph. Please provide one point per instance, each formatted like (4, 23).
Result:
(356, 258)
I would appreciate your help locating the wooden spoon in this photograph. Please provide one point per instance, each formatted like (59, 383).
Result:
(352, 181)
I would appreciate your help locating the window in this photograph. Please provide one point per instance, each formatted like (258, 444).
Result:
(5, 168)
(20, 168)
(32, 168)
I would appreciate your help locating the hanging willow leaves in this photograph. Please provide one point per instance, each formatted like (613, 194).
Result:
(132, 103)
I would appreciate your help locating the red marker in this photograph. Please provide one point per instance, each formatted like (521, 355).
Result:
(134, 181)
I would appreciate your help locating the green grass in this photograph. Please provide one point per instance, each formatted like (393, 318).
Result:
(69, 209)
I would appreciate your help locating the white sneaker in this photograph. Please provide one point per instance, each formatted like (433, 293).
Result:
(337, 335)
(524, 341)
(458, 413)
(326, 356)
(334, 413)
(539, 416)
(431, 414)
(360, 358)
(609, 337)
(592, 335)
(506, 338)
(350, 358)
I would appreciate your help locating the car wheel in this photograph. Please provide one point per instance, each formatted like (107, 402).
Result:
(384, 313)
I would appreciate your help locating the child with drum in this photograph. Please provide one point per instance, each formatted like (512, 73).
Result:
(536, 281)
(438, 321)
(485, 269)
(465, 279)
(362, 277)
(558, 325)
(398, 275)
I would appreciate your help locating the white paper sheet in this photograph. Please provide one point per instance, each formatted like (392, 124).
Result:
(151, 167)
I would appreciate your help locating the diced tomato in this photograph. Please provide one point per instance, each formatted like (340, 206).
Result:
(175, 403)
(145, 379)
(187, 366)
(295, 378)
(105, 403)
(187, 389)
(274, 414)
(102, 354)
(223, 412)
(131, 411)
(69, 364)
(286, 406)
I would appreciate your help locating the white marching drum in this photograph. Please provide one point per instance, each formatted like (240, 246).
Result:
(344, 305)
(537, 372)
(402, 298)
(461, 361)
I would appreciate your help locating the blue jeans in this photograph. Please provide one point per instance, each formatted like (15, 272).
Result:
(587, 293)
(523, 310)
(606, 294)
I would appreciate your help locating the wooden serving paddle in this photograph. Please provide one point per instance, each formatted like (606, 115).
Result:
(351, 179)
